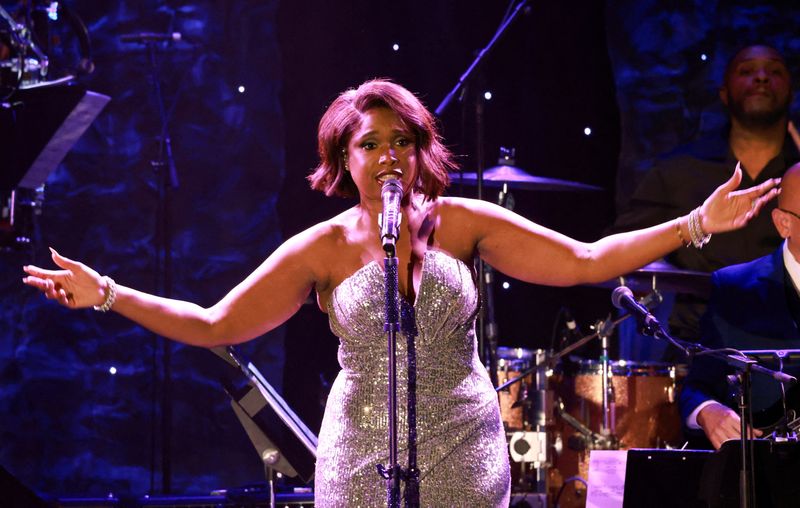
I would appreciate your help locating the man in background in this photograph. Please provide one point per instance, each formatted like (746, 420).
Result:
(753, 305)
(757, 92)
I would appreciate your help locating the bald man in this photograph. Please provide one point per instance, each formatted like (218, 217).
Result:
(754, 305)
(757, 92)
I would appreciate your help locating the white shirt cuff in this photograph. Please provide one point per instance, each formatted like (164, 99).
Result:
(691, 420)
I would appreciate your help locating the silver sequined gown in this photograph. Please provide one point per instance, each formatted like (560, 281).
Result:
(460, 442)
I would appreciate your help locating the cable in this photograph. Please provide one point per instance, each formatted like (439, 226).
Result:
(564, 485)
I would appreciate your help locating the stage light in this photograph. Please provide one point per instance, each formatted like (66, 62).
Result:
(487, 95)
(52, 11)
(241, 88)
(112, 370)
(587, 131)
(395, 47)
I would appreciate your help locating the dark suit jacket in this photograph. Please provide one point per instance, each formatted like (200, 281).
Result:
(752, 306)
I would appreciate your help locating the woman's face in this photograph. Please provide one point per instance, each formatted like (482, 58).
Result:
(381, 146)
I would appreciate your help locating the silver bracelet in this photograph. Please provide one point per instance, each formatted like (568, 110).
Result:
(698, 236)
(111, 295)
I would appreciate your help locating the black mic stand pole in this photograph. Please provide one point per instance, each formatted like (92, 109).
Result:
(394, 473)
(167, 176)
(479, 156)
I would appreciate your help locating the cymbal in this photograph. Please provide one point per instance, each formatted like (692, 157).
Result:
(664, 277)
(517, 178)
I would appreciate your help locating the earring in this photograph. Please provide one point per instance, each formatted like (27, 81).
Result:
(346, 164)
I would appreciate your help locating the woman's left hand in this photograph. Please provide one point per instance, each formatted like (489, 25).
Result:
(727, 209)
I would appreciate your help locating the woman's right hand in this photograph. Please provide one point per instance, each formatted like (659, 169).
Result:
(74, 286)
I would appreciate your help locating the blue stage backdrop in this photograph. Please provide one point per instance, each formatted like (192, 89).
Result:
(68, 425)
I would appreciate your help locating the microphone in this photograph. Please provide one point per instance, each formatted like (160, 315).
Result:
(622, 298)
(145, 37)
(389, 219)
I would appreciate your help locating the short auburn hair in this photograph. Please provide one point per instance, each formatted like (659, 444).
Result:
(342, 117)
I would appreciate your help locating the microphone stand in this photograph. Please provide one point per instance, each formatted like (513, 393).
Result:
(167, 176)
(604, 328)
(394, 473)
(459, 89)
(465, 77)
(745, 366)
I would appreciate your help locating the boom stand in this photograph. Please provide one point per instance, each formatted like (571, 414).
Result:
(649, 325)
(459, 89)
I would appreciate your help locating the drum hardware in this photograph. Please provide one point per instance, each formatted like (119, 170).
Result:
(571, 331)
(34, 53)
(663, 276)
(39, 120)
(530, 447)
(609, 402)
(487, 321)
(505, 175)
(588, 439)
(516, 178)
(30, 65)
(527, 410)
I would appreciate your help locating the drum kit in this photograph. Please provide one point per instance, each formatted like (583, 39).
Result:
(557, 408)
(556, 412)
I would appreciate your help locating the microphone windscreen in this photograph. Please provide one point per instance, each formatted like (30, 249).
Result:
(619, 294)
(392, 184)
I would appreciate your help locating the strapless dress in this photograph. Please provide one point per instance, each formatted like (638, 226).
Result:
(456, 436)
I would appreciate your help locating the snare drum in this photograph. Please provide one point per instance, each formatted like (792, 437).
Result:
(645, 413)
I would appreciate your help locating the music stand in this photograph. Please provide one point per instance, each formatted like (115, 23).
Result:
(283, 442)
(38, 126)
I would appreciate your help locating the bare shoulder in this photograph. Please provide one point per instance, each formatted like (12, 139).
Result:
(319, 240)
(459, 224)
(465, 207)
(472, 214)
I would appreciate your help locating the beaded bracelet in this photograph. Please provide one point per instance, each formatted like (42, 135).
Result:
(699, 237)
(111, 295)
(684, 241)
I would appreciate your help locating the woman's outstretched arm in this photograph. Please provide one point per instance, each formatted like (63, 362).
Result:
(529, 252)
(263, 301)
